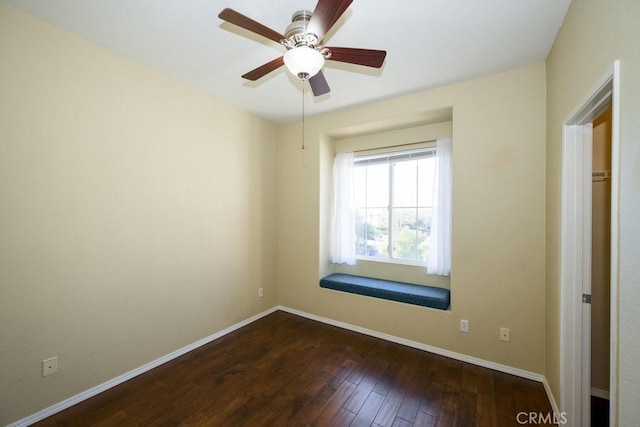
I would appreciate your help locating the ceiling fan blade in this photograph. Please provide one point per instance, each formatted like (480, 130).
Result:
(326, 14)
(247, 23)
(265, 69)
(367, 57)
(319, 84)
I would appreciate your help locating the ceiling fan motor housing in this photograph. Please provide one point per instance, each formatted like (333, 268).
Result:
(296, 34)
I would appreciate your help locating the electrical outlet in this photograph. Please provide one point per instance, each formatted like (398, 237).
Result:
(260, 292)
(504, 334)
(464, 325)
(50, 366)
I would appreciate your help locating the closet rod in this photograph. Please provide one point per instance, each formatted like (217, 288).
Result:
(600, 176)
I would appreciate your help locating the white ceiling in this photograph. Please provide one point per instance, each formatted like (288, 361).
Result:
(429, 43)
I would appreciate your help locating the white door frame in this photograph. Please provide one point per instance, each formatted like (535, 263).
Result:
(575, 263)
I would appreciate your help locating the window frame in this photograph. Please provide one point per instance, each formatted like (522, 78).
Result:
(390, 158)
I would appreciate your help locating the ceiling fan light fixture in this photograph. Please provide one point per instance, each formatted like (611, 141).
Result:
(303, 61)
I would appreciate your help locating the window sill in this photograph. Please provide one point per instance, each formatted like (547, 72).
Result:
(392, 261)
(425, 296)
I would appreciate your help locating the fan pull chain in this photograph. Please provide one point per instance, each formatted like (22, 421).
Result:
(304, 147)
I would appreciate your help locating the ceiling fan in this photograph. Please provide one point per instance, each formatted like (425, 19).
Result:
(305, 53)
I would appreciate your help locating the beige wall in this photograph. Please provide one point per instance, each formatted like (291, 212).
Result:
(137, 215)
(498, 219)
(594, 34)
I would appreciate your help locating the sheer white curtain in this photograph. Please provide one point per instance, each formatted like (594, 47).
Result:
(439, 260)
(344, 246)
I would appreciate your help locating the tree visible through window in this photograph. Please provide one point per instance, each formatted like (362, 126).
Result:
(393, 196)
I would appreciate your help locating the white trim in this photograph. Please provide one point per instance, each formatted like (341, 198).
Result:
(80, 397)
(568, 272)
(595, 102)
(420, 346)
(574, 386)
(552, 400)
(602, 394)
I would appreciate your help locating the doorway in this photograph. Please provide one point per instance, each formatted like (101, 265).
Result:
(576, 252)
(600, 268)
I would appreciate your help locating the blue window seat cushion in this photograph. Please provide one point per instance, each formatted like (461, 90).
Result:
(426, 296)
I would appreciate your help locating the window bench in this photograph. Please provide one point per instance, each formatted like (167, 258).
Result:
(426, 296)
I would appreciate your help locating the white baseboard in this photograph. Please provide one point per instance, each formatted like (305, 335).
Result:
(602, 394)
(552, 400)
(58, 407)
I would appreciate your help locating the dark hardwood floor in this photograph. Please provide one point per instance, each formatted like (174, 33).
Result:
(599, 412)
(284, 370)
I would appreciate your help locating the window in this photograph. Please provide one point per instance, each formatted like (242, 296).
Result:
(392, 200)
(394, 206)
